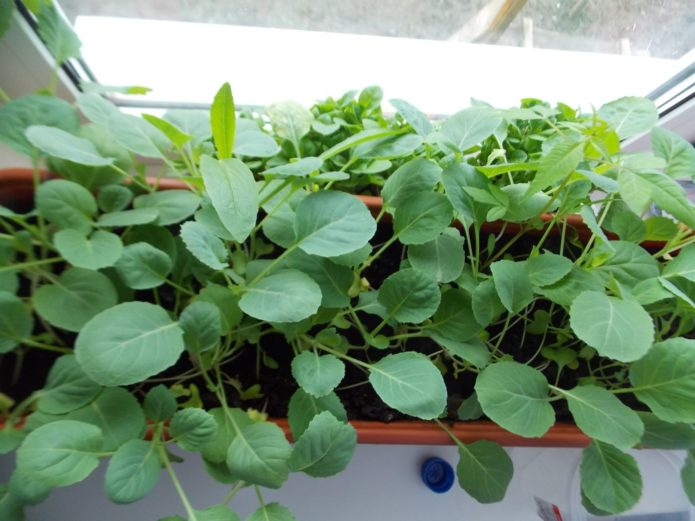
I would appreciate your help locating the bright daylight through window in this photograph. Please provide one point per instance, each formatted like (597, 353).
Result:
(437, 54)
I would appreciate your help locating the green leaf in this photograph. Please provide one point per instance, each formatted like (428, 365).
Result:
(412, 178)
(683, 265)
(114, 198)
(11, 508)
(515, 396)
(61, 41)
(468, 128)
(173, 206)
(290, 121)
(17, 115)
(195, 123)
(303, 407)
(216, 513)
(58, 143)
(204, 245)
(317, 375)
(618, 329)
(233, 192)
(659, 434)
(678, 153)
(603, 417)
(332, 223)
(422, 218)
(97, 108)
(487, 306)
(334, 280)
(223, 121)
(66, 204)
(128, 218)
(10, 438)
(160, 404)
(668, 195)
(142, 266)
(202, 326)
(271, 512)
(285, 296)
(565, 290)
(688, 477)
(409, 296)
(108, 344)
(6, 14)
(454, 318)
(473, 350)
(513, 284)
(136, 134)
(67, 387)
(325, 448)
(610, 479)
(193, 428)
(560, 161)
(625, 223)
(456, 178)
(229, 422)
(300, 168)
(254, 143)
(388, 147)
(132, 472)
(226, 302)
(627, 262)
(470, 408)
(410, 383)
(171, 131)
(547, 268)
(664, 379)
(259, 455)
(74, 298)
(60, 453)
(27, 490)
(16, 322)
(442, 257)
(100, 250)
(117, 413)
(484, 470)
(630, 116)
(415, 118)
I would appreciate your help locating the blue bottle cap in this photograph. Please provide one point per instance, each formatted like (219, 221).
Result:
(437, 474)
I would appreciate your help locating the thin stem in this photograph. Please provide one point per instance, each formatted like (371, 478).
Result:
(274, 263)
(259, 496)
(236, 488)
(30, 264)
(190, 512)
(46, 347)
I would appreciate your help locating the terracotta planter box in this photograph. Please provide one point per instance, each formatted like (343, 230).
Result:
(16, 186)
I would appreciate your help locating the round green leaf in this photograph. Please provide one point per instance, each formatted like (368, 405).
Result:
(142, 266)
(422, 218)
(132, 472)
(512, 284)
(688, 477)
(486, 303)
(610, 479)
(271, 512)
(67, 387)
(665, 380)
(332, 223)
(303, 407)
(547, 268)
(317, 375)
(442, 258)
(128, 217)
(27, 489)
(16, 322)
(229, 422)
(108, 344)
(74, 298)
(300, 168)
(325, 448)
(173, 206)
(618, 329)
(410, 383)
(285, 296)
(117, 413)
(66, 204)
(259, 455)
(411, 179)
(602, 416)
(160, 403)
(202, 326)
(192, 428)
(60, 453)
(484, 470)
(216, 513)
(473, 350)
(204, 245)
(17, 115)
(468, 128)
(659, 434)
(63, 145)
(454, 317)
(409, 295)
(334, 280)
(114, 198)
(630, 116)
(515, 396)
(227, 304)
(100, 250)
